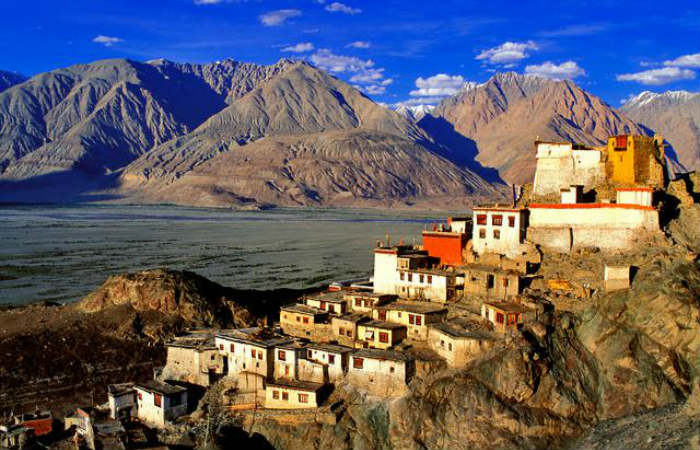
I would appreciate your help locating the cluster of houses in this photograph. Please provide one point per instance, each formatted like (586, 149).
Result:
(368, 334)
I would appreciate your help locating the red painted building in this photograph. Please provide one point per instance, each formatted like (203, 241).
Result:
(446, 245)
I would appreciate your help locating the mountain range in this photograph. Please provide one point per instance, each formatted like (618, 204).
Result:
(246, 135)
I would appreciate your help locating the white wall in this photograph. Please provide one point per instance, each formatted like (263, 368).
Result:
(384, 272)
(604, 216)
(241, 358)
(635, 197)
(510, 237)
(559, 165)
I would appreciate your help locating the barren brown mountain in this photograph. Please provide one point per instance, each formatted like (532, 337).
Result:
(507, 113)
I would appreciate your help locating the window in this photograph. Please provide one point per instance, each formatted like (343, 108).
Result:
(499, 317)
(303, 398)
(331, 359)
(496, 234)
(401, 276)
(421, 278)
(157, 400)
(620, 142)
(221, 347)
(442, 343)
(411, 319)
(357, 363)
(349, 333)
(358, 302)
(511, 319)
(481, 219)
(309, 354)
(482, 233)
(449, 346)
(383, 337)
(410, 277)
(276, 394)
(306, 320)
(252, 353)
(505, 282)
(233, 348)
(285, 396)
(381, 315)
(497, 220)
(298, 319)
(430, 279)
(511, 221)
(260, 354)
(419, 319)
(282, 355)
(140, 396)
(212, 357)
(392, 369)
(323, 305)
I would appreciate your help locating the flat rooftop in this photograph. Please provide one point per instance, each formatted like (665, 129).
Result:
(160, 387)
(296, 384)
(299, 308)
(508, 306)
(352, 317)
(382, 325)
(457, 332)
(412, 306)
(372, 353)
(331, 348)
(261, 337)
(120, 389)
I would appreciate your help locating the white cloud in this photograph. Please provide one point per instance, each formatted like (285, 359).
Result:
(372, 89)
(301, 47)
(566, 70)
(343, 8)
(107, 41)
(275, 18)
(692, 60)
(329, 61)
(656, 77)
(418, 101)
(207, 2)
(368, 75)
(507, 53)
(359, 44)
(440, 85)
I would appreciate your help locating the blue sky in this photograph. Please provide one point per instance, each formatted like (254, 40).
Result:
(395, 51)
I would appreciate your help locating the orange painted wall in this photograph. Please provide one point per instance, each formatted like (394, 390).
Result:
(447, 247)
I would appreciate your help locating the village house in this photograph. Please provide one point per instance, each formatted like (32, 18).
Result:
(380, 372)
(303, 321)
(363, 302)
(293, 394)
(286, 359)
(457, 346)
(386, 265)
(379, 334)
(159, 402)
(491, 282)
(325, 363)
(506, 315)
(561, 164)
(447, 243)
(332, 305)
(249, 353)
(499, 230)
(436, 285)
(193, 358)
(416, 316)
(121, 399)
(344, 328)
(82, 421)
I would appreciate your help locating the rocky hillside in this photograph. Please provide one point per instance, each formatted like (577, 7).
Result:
(674, 114)
(504, 116)
(9, 79)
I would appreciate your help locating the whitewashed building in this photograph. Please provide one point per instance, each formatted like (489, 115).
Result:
(250, 350)
(332, 305)
(380, 372)
(294, 394)
(331, 360)
(122, 400)
(561, 164)
(416, 316)
(159, 402)
(499, 230)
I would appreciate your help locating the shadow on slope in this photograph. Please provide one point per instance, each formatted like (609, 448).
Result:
(461, 150)
(68, 186)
